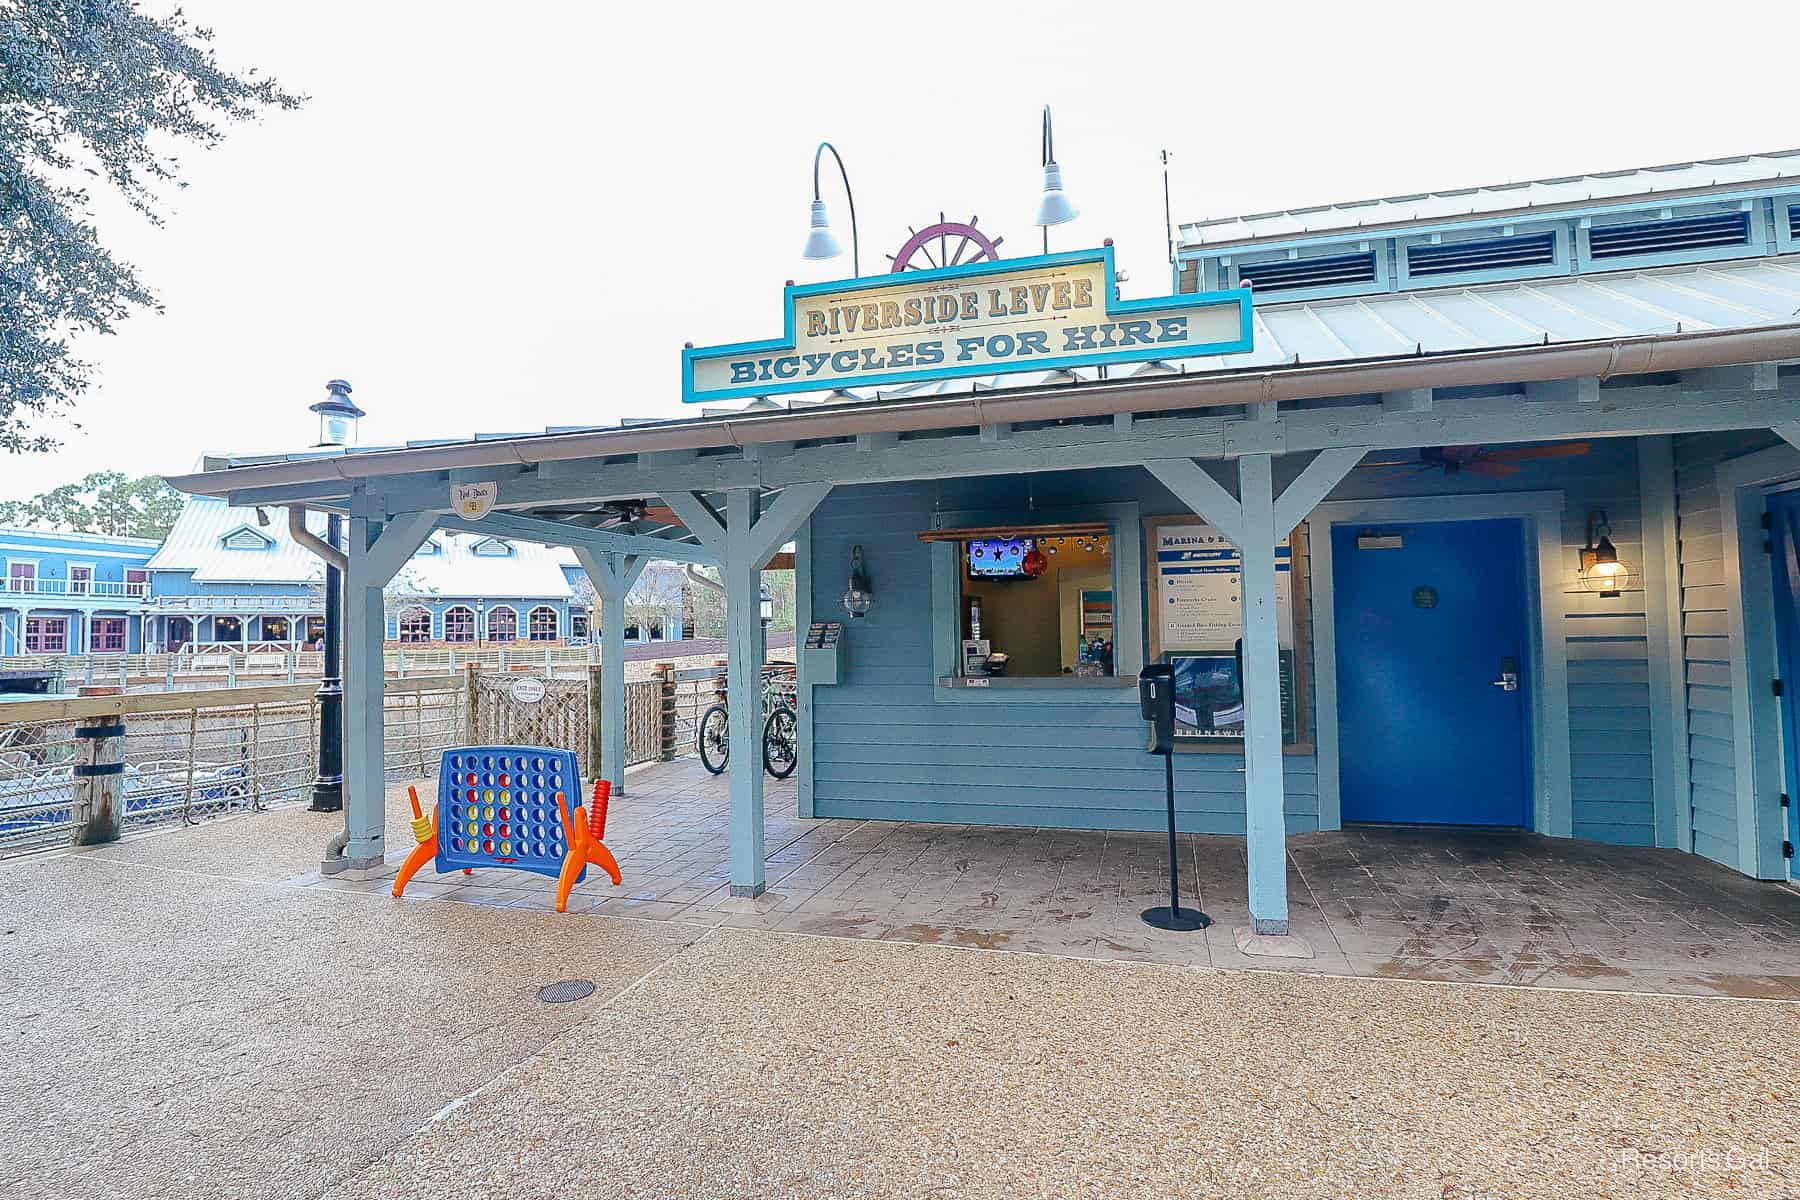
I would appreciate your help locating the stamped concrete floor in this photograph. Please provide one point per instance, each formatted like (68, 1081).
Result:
(1451, 905)
(179, 1019)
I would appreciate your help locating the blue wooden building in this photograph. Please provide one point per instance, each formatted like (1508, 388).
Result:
(72, 593)
(1462, 508)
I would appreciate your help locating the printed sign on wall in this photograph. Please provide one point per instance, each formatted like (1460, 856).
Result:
(1198, 604)
(1031, 314)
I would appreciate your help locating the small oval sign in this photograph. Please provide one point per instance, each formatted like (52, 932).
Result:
(1425, 597)
(528, 690)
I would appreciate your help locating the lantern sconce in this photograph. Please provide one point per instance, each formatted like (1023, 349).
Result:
(859, 597)
(1601, 569)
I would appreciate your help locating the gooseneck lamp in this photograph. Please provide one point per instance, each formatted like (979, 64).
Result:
(859, 597)
(821, 242)
(1053, 206)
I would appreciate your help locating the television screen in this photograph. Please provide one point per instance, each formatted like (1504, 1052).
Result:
(998, 558)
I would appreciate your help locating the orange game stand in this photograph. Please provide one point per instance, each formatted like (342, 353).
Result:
(425, 833)
(585, 846)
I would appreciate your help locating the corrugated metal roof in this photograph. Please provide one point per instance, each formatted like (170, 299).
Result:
(1733, 295)
(530, 570)
(196, 544)
(1690, 298)
(1572, 190)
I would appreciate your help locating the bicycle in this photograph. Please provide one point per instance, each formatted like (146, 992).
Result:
(780, 738)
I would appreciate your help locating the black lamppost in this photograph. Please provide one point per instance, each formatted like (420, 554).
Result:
(337, 428)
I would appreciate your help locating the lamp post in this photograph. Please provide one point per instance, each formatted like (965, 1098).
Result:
(1053, 206)
(820, 241)
(337, 428)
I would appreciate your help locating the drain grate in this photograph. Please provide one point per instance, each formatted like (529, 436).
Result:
(566, 990)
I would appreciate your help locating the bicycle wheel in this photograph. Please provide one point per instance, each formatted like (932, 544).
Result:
(781, 746)
(713, 739)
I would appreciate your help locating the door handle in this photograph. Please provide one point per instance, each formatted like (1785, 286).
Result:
(1509, 674)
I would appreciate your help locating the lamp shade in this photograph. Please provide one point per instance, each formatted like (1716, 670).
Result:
(820, 241)
(1054, 207)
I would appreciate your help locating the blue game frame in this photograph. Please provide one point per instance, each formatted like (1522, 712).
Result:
(1114, 307)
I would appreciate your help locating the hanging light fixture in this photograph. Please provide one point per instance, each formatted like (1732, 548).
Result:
(821, 242)
(1602, 570)
(859, 597)
(1053, 206)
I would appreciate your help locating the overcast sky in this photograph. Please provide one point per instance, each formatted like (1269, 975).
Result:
(499, 217)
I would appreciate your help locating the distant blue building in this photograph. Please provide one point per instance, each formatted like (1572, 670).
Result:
(224, 577)
(73, 593)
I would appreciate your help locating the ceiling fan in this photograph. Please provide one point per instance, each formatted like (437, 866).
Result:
(1495, 463)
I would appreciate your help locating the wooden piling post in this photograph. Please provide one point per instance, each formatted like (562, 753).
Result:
(596, 724)
(665, 680)
(98, 800)
(472, 692)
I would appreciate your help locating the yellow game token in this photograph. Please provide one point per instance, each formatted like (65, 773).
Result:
(487, 814)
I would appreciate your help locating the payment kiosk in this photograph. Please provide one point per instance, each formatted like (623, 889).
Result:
(1156, 700)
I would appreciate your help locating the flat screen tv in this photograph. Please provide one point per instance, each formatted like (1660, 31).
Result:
(998, 558)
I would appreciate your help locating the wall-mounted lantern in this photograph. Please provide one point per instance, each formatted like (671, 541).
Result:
(767, 604)
(859, 598)
(1601, 569)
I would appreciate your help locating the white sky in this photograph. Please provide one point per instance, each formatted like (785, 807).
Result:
(499, 217)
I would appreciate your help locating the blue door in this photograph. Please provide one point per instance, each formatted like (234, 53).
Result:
(1784, 548)
(1432, 694)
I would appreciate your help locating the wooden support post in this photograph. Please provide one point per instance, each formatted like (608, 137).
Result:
(747, 538)
(99, 775)
(377, 549)
(1265, 825)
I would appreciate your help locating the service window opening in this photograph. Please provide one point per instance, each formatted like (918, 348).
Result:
(1037, 604)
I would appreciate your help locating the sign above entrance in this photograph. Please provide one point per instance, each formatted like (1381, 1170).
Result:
(1027, 314)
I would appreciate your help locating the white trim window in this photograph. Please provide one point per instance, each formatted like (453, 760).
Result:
(459, 624)
(47, 635)
(81, 579)
(502, 624)
(543, 624)
(414, 626)
(108, 635)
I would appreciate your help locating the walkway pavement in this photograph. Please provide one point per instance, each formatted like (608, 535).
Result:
(1455, 906)
(182, 1020)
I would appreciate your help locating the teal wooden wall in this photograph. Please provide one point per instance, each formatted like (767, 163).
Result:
(883, 747)
(1706, 641)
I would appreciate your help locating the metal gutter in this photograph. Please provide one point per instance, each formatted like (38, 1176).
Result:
(1523, 364)
(300, 533)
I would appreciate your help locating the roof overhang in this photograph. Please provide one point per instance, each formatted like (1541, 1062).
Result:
(1535, 363)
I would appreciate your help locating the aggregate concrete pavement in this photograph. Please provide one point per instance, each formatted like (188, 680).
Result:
(180, 1019)
(172, 1034)
(771, 1064)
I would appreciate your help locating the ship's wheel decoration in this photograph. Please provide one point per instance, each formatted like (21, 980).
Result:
(946, 244)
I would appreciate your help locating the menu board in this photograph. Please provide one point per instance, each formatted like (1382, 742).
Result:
(1194, 576)
(1197, 587)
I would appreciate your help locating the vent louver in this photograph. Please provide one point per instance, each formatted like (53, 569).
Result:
(1672, 236)
(1794, 221)
(1484, 254)
(1327, 271)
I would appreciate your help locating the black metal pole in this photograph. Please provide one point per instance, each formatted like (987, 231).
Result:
(1174, 870)
(328, 789)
